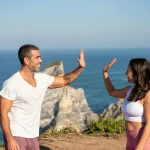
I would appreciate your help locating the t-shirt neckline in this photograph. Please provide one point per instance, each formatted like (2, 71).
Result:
(27, 82)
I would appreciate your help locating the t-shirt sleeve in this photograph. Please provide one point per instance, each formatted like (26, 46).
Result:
(48, 80)
(9, 91)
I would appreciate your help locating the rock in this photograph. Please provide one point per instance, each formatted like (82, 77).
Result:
(65, 106)
(113, 111)
(55, 69)
(74, 110)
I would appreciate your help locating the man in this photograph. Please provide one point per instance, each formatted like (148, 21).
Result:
(21, 99)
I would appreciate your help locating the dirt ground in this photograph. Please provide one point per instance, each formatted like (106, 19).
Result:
(82, 142)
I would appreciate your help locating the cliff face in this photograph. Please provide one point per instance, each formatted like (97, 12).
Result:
(113, 111)
(65, 106)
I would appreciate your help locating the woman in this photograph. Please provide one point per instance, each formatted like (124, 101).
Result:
(136, 104)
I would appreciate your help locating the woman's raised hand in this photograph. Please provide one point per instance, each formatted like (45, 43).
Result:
(108, 66)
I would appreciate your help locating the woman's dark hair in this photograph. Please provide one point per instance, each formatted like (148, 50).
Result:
(25, 51)
(141, 70)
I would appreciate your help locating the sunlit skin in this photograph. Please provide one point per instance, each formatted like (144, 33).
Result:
(31, 65)
(130, 76)
(121, 93)
(35, 61)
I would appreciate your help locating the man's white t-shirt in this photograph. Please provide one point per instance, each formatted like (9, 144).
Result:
(24, 115)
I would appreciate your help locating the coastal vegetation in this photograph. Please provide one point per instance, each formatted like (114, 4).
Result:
(107, 126)
(1, 145)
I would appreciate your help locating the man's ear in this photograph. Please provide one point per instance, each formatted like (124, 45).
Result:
(26, 60)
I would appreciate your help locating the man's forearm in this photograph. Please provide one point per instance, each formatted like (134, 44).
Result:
(72, 76)
(5, 124)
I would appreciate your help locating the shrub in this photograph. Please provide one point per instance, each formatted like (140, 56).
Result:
(1, 145)
(65, 130)
(108, 126)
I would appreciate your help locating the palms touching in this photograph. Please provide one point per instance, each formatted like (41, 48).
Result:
(81, 59)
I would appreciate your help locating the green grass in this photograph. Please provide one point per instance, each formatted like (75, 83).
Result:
(107, 126)
(1, 145)
(65, 130)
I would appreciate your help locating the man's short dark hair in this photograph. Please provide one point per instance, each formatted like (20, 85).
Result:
(25, 51)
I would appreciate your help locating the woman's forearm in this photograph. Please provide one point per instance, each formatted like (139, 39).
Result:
(108, 84)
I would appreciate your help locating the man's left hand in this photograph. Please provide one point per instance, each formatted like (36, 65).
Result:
(81, 59)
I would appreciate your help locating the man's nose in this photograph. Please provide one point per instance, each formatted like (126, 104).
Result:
(40, 60)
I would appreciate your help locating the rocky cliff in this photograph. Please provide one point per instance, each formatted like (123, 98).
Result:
(65, 106)
(113, 111)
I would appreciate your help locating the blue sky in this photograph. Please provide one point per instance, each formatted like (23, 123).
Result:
(56, 24)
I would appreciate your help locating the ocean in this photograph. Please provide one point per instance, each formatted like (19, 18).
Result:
(91, 79)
